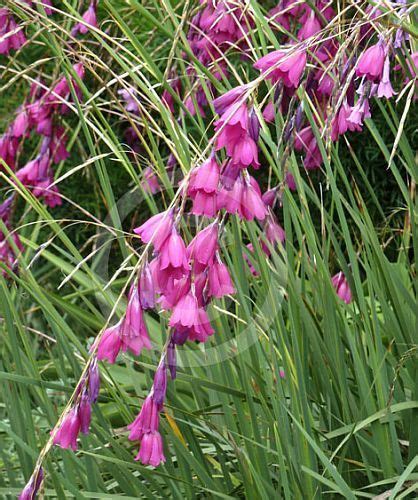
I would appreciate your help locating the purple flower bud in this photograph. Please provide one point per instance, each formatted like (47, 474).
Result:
(31, 489)
(5, 208)
(299, 117)
(171, 162)
(172, 359)
(159, 388)
(277, 91)
(146, 288)
(179, 336)
(84, 413)
(269, 197)
(254, 125)
(94, 381)
(230, 174)
(288, 129)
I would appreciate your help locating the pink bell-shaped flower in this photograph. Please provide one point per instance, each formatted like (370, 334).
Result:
(371, 62)
(219, 281)
(151, 449)
(67, 433)
(204, 245)
(110, 344)
(185, 312)
(173, 257)
(133, 331)
(146, 421)
(157, 229)
(252, 205)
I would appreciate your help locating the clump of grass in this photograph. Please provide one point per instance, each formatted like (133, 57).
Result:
(340, 421)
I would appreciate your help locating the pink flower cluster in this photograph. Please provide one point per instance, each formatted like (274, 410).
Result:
(78, 417)
(218, 26)
(326, 68)
(145, 427)
(40, 115)
(10, 245)
(12, 36)
(183, 278)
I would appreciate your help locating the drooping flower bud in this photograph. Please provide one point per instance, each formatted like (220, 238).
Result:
(172, 359)
(159, 387)
(31, 489)
(146, 288)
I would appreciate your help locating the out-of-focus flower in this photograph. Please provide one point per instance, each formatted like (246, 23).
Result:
(342, 288)
(283, 65)
(11, 34)
(90, 20)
